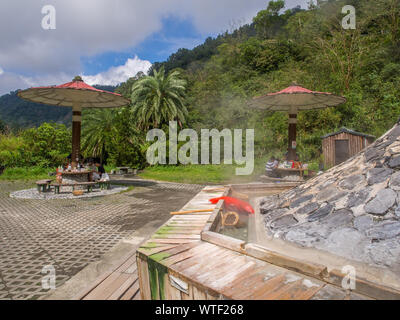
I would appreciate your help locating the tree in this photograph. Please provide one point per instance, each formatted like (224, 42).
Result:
(159, 98)
(97, 130)
(268, 21)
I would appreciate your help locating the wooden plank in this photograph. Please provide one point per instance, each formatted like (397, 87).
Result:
(176, 258)
(308, 268)
(144, 281)
(131, 292)
(117, 294)
(199, 294)
(171, 293)
(173, 241)
(101, 278)
(108, 287)
(177, 236)
(223, 241)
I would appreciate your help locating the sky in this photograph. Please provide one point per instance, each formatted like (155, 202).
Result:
(106, 42)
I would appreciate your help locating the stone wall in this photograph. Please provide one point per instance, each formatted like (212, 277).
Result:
(352, 210)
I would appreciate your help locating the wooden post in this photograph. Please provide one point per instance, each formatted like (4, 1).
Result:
(76, 134)
(292, 144)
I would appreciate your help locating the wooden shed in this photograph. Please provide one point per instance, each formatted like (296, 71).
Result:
(339, 146)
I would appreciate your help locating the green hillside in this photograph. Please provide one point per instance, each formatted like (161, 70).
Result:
(18, 113)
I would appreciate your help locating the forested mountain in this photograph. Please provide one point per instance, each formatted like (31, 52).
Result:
(18, 113)
(309, 47)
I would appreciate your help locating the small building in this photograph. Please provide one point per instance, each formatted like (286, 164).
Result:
(339, 146)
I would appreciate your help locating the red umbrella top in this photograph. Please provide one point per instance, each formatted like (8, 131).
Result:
(74, 93)
(296, 97)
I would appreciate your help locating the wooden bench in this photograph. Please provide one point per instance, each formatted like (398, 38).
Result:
(88, 185)
(106, 185)
(43, 185)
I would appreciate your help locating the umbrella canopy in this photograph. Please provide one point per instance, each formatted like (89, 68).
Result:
(76, 94)
(293, 99)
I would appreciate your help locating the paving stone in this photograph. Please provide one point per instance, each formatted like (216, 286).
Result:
(383, 201)
(70, 233)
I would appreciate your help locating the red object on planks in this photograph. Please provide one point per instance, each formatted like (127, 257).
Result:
(233, 204)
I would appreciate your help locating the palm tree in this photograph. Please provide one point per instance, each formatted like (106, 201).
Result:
(159, 98)
(97, 129)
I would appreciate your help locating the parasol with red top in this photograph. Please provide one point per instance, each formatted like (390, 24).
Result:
(76, 94)
(292, 100)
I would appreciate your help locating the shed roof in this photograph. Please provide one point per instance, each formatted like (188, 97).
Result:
(349, 131)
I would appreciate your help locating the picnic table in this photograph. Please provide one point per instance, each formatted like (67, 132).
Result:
(43, 185)
(285, 171)
(57, 186)
(79, 176)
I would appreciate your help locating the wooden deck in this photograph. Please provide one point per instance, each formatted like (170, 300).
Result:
(180, 262)
(177, 264)
(119, 284)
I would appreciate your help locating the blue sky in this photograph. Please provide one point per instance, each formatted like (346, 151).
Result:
(175, 33)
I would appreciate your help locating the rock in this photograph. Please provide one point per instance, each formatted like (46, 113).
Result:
(394, 150)
(351, 182)
(374, 153)
(273, 214)
(394, 182)
(296, 203)
(397, 211)
(384, 230)
(357, 198)
(345, 242)
(394, 133)
(394, 162)
(308, 208)
(268, 204)
(285, 221)
(327, 193)
(320, 213)
(377, 175)
(383, 201)
(363, 223)
(338, 218)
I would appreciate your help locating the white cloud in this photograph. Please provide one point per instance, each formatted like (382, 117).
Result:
(116, 75)
(91, 27)
(1, 71)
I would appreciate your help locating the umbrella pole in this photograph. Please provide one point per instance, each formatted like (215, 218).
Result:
(76, 134)
(292, 135)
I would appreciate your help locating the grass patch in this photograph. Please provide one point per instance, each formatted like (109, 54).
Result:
(200, 174)
(31, 173)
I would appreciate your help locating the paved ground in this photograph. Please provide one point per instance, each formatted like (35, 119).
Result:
(70, 234)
